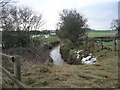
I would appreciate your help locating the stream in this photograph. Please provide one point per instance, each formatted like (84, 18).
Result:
(56, 56)
(57, 60)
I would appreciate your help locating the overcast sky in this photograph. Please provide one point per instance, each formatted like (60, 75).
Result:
(99, 13)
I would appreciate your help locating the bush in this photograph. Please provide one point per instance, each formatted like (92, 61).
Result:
(64, 50)
(15, 39)
(72, 25)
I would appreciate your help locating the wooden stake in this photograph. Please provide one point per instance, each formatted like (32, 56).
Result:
(17, 68)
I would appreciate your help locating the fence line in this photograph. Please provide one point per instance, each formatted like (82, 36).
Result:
(16, 78)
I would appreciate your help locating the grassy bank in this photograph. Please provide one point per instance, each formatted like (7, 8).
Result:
(104, 74)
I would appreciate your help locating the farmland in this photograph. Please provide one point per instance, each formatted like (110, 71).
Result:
(102, 74)
(101, 33)
(49, 39)
(58, 47)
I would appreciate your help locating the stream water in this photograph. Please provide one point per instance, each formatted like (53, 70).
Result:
(56, 56)
(57, 60)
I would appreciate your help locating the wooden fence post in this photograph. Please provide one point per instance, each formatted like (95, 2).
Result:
(16, 78)
(17, 68)
(114, 44)
(101, 44)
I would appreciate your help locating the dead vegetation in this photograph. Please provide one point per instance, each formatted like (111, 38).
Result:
(104, 74)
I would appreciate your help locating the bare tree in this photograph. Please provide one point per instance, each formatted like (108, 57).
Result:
(116, 25)
(36, 22)
(29, 20)
(4, 18)
(13, 18)
(4, 2)
(22, 18)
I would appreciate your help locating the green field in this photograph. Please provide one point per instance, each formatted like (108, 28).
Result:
(101, 33)
(50, 39)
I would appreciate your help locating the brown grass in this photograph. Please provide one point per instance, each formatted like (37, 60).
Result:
(103, 74)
